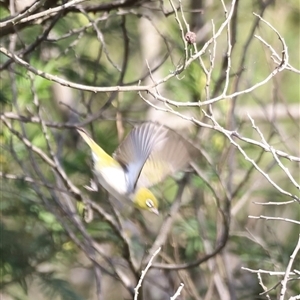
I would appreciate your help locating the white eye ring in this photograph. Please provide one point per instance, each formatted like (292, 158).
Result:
(149, 203)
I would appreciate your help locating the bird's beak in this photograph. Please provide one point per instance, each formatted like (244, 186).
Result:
(155, 211)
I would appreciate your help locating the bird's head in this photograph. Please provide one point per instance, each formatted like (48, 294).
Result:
(144, 199)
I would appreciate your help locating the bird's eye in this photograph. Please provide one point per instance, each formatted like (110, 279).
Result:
(149, 203)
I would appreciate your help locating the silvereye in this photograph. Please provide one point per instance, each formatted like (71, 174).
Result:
(148, 154)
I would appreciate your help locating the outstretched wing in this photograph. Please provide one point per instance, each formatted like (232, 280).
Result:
(150, 153)
(137, 147)
(167, 157)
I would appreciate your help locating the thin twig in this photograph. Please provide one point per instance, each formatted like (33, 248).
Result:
(177, 292)
(144, 272)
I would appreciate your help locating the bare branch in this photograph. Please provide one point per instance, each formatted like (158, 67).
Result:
(144, 272)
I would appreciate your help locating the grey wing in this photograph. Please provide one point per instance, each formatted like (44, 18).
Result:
(167, 157)
(134, 151)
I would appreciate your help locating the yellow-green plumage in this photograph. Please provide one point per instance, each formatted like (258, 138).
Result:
(144, 199)
(99, 155)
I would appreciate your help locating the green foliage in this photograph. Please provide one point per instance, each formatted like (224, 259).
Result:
(188, 231)
(30, 235)
(53, 287)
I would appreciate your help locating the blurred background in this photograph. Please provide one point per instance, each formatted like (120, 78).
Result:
(109, 65)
